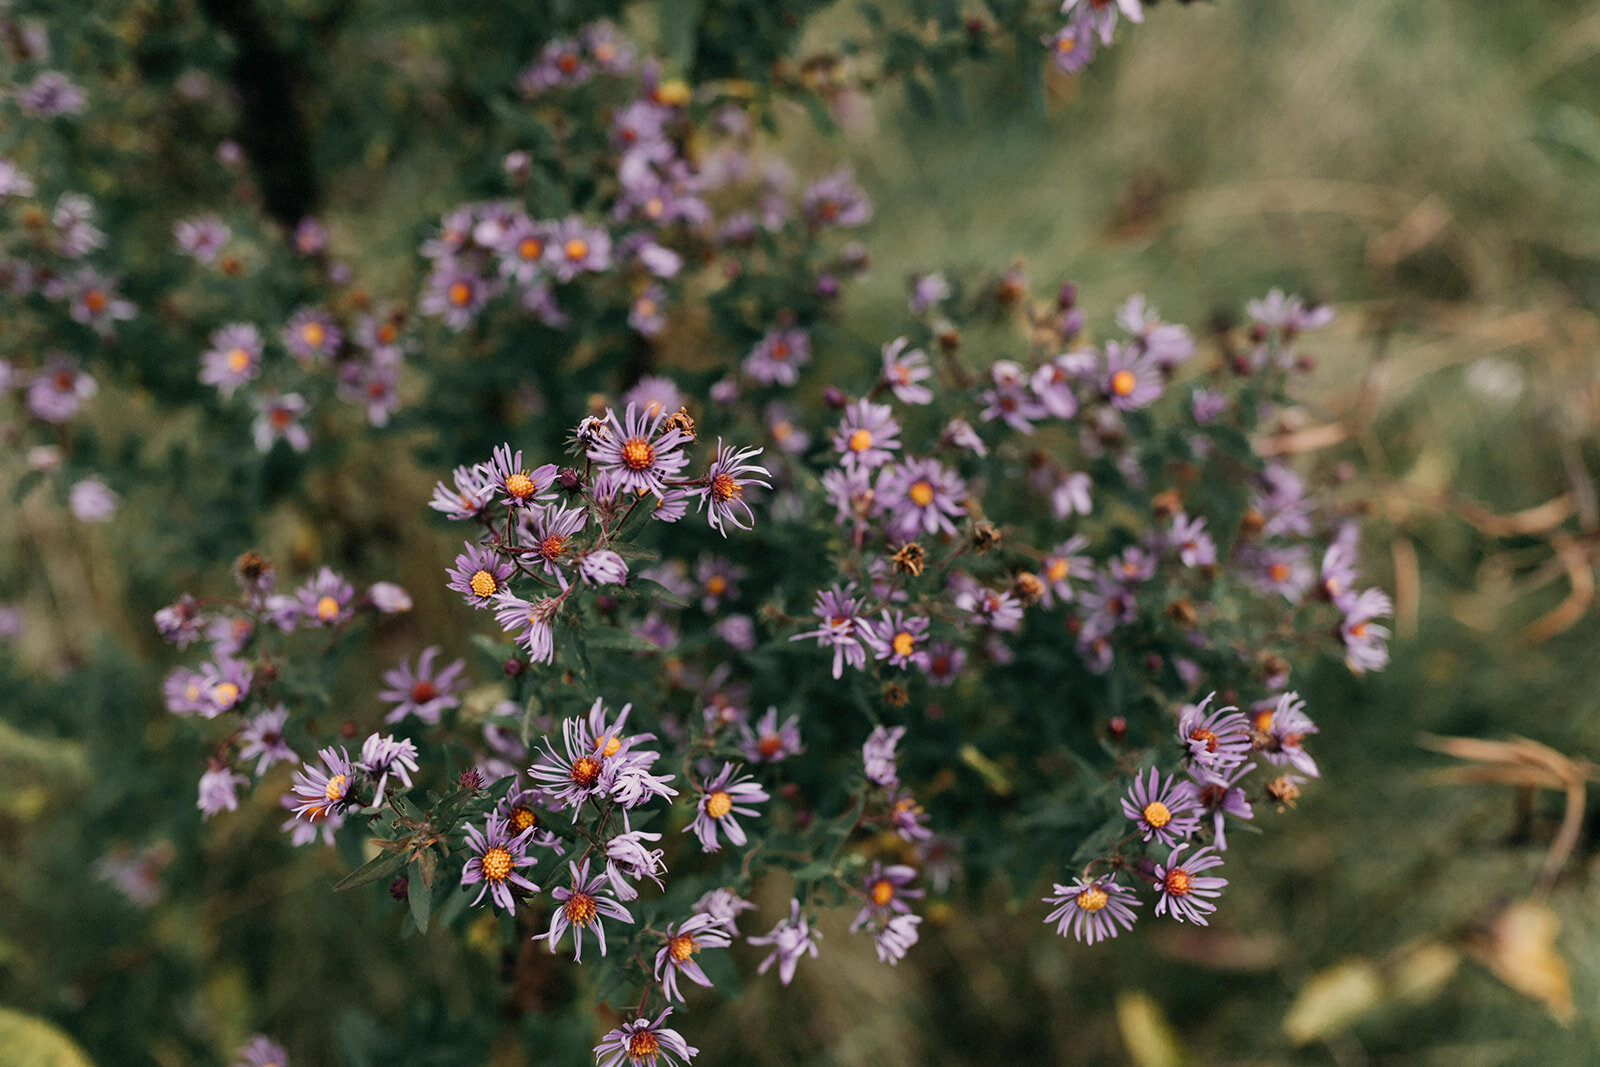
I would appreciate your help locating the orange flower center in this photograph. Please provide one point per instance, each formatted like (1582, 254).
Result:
(95, 301)
(460, 293)
(1202, 734)
(860, 441)
(335, 789)
(238, 359)
(1065, 45)
(496, 864)
(725, 488)
(1056, 570)
(681, 947)
(1156, 814)
(567, 63)
(716, 585)
(1278, 572)
(521, 818)
(921, 494)
(580, 909)
(530, 248)
(225, 694)
(642, 1046)
(585, 771)
(780, 350)
(313, 334)
(1262, 721)
(608, 746)
(769, 746)
(519, 485)
(718, 804)
(552, 546)
(882, 892)
(903, 643)
(1178, 882)
(576, 248)
(1123, 382)
(327, 609)
(637, 453)
(423, 692)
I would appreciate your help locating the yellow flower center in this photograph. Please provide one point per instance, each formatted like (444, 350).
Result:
(1156, 814)
(654, 207)
(530, 248)
(482, 584)
(552, 546)
(903, 643)
(225, 694)
(681, 948)
(238, 360)
(882, 892)
(643, 1046)
(921, 494)
(1065, 45)
(1123, 382)
(1056, 570)
(645, 307)
(335, 789)
(608, 746)
(580, 909)
(327, 609)
(724, 488)
(860, 441)
(521, 818)
(1202, 734)
(460, 293)
(637, 453)
(718, 804)
(1178, 882)
(313, 334)
(1092, 899)
(576, 248)
(519, 485)
(585, 771)
(1262, 721)
(496, 864)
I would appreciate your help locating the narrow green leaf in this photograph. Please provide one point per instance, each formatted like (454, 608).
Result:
(385, 865)
(419, 891)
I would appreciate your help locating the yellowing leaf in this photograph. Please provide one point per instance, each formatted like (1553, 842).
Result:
(1146, 1032)
(1333, 999)
(1520, 950)
(27, 1040)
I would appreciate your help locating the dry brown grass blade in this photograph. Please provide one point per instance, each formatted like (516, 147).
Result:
(1407, 586)
(1580, 575)
(1310, 439)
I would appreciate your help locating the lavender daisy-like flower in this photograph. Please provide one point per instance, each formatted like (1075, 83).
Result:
(927, 290)
(1217, 739)
(723, 905)
(576, 247)
(91, 500)
(422, 691)
(904, 371)
(644, 1043)
(629, 857)
(1101, 15)
(639, 452)
(945, 662)
(990, 609)
(1071, 496)
(225, 683)
(513, 482)
(907, 817)
(840, 613)
(683, 941)
(1365, 642)
(1072, 46)
(233, 359)
(219, 791)
(836, 200)
(603, 567)
(895, 937)
(1129, 380)
(383, 756)
(868, 435)
(886, 891)
(201, 238)
(790, 939)
(278, 419)
(1185, 893)
(581, 907)
(1194, 546)
(455, 294)
(1011, 399)
(261, 1052)
(58, 390)
(878, 757)
(325, 599)
(1281, 728)
(319, 792)
(548, 531)
(479, 575)
(770, 743)
(1092, 909)
(723, 494)
(261, 739)
(720, 800)
(1163, 812)
(530, 623)
(311, 336)
(777, 359)
(898, 638)
(1219, 796)
(497, 851)
(50, 95)
(920, 496)
(1283, 571)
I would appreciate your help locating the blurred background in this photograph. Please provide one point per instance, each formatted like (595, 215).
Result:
(1430, 168)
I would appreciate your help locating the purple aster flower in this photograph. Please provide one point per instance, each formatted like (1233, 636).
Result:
(1062, 564)
(1281, 727)
(1133, 566)
(310, 237)
(530, 623)
(1216, 740)
(945, 662)
(422, 692)
(514, 483)
(58, 390)
(958, 433)
(603, 567)
(639, 452)
(1185, 893)
(920, 496)
(902, 371)
(311, 336)
(302, 832)
(683, 941)
(91, 500)
(522, 247)
(260, 1052)
(596, 760)
(219, 791)
(777, 359)
(76, 236)
(202, 237)
(897, 638)
(50, 95)
(1281, 504)
(1365, 642)
(1100, 16)
(789, 437)
(722, 496)
(790, 939)
(927, 290)
(1072, 46)
(645, 313)
(737, 630)
(878, 756)
(1107, 606)
(851, 494)
(581, 907)
(455, 294)
(644, 1043)
(1055, 383)
(497, 851)
(1205, 406)
(724, 906)
(835, 200)
(886, 892)
(183, 692)
(1092, 909)
(628, 856)
(1339, 572)
(718, 580)
(13, 181)
(479, 575)
(1071, 497)
(990, 609)
(720, 799)
(325, 599)
(868, 435)
(473, 491)
(1130, 380)
(225, 682)
(1166, 344)
(895, 937)
(769, 742)
(1011, 400)
(1289, 313)
(1162, 811)
(278, 419)
(323, 791)
(1219, 796)
(261, 739)
(575, 247)
(560, 64)
(1284, 571)
(840, 613)
(1194, 545)
(233, 359)
(547, 532)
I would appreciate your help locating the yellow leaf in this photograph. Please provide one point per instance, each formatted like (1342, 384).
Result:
(1520, 950)
(1146, 1032)
(1333, 999)
(34, 1042)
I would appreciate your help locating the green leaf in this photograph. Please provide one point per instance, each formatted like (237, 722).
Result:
(616, 639)
(385, 865)
(679, 19)
(419, 890)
